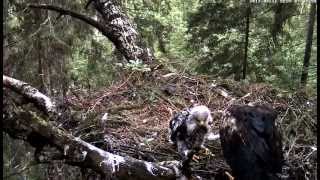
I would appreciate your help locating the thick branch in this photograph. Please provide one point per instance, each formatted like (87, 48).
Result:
(126, 36)
(80, 153)
(76, 15)
(36, 130)
(32, 94)
(116, 26)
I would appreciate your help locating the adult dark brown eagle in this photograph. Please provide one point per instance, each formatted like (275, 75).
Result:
(251, 143)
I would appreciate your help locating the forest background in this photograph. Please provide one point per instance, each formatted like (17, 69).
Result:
(249, 43)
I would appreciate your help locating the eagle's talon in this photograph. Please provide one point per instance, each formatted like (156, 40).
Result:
(229, 175)
(195, 158)
(206, 152)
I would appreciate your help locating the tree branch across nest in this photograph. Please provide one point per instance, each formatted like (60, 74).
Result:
(28, 126)
(34, 95)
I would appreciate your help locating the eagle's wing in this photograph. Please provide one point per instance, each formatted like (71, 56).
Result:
(265, 138)
(252, 144)
(177, 125)
(267, 146)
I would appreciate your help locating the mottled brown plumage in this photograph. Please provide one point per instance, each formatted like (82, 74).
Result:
(188, 130)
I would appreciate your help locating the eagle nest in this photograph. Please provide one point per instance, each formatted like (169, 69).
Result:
(139, 113)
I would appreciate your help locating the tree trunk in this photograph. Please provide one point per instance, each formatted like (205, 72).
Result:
(306, 61)
(115, 25)
(6, 65)
(124, 34)
(245, 60)
(5, 15)
(277, 22)
(237, 72)
(39, 50)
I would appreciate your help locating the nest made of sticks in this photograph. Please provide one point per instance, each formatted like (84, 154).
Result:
(139, 115)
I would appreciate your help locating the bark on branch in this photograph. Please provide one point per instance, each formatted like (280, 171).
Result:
(32, 94)
(73, 14)
(115, 25)
(37, 130)
(125, 34)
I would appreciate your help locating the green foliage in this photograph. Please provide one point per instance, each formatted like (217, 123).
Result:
(162, 24)
(90, 64)
(194, 36)
(276, 42)
(19, 160)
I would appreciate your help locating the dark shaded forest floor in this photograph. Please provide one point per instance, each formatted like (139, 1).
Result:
(138, 118)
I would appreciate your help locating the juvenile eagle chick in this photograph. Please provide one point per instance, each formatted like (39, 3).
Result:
(188, 130)
(251, 142)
